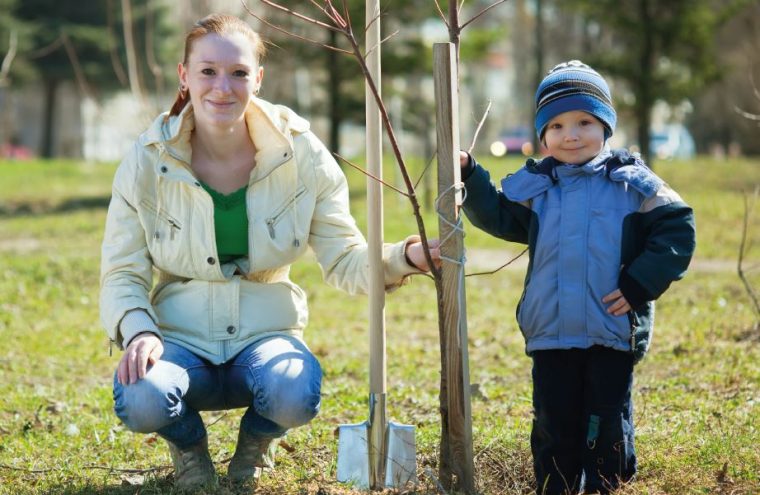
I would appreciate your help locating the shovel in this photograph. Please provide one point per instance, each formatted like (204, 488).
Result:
(376, 454)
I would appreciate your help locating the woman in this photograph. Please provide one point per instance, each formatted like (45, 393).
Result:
(220, 196)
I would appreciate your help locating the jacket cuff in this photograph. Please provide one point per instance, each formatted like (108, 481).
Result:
(137, 321)
(634, 292)
(397, 269)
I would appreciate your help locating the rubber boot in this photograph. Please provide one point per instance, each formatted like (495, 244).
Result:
(252, 454)
(193, 467)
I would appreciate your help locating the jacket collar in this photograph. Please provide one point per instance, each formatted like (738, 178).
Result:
(594, 166)
(271, 128)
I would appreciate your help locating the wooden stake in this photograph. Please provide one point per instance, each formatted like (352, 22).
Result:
(452, 252)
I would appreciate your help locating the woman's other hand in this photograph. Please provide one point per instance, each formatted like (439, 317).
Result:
(146, 348)
(416, 254)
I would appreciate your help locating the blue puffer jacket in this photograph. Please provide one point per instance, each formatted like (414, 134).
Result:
(591, 229)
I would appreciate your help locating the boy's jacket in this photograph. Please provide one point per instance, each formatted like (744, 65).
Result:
(590, 229)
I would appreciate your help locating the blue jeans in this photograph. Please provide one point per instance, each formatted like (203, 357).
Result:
(278, 379)
(582, 438)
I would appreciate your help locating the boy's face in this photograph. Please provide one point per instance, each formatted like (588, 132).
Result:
(574, 137)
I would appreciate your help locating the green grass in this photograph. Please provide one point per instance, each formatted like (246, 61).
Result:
(697, 394)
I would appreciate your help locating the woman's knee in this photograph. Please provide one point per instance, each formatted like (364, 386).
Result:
(149, 404)
(291, 394)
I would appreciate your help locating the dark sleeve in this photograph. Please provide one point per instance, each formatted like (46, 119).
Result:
(669, 242)
(489, 210)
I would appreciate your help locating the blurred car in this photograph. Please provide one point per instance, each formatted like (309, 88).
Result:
(671, 141)
(514, 141)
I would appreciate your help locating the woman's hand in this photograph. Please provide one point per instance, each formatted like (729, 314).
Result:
(146, 348)
(619, 305)
(416, 254)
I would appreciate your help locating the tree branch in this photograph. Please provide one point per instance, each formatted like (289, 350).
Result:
(748, 207)
(381, 181)
(8, 59)
(500, 268)
(480, 126)
(281, 8)
(481, 13)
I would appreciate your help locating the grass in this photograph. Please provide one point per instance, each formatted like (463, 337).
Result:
(697, 394)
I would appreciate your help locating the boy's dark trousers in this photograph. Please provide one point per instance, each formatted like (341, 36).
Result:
(583, 424)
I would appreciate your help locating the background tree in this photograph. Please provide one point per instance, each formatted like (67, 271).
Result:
(661, 50)
(83, 42)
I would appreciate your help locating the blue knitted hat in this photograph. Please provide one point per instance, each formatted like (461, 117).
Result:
(571, 86)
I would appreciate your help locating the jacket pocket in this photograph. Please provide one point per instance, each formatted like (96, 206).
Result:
(273, 219)
(152, 211)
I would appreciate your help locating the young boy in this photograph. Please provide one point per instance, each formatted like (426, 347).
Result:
(606, 238)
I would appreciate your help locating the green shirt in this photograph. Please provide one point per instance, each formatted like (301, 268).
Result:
(230, 223)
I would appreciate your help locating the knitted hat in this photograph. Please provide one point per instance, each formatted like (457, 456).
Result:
(571, 86)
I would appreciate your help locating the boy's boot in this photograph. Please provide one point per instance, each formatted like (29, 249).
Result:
(252, 453)
(192, 466)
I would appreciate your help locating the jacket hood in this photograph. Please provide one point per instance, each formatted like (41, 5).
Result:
(271, 128)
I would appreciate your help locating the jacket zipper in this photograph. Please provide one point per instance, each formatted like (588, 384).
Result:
(174, 226)
(272, 221)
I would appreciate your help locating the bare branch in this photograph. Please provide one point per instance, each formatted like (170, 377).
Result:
(480, 126)
(481, 13)
(14, 468)
(440, 12)
(296, 36)
(289, 12)
(117, 68)
(129, 45)
(501, 267)
(78, 72)
(754, 86)
(153, 64)
(750, 116)
(424, 171)
(46, 50)
(8, 59)
(394, 33)
(381, 181)
(748, 207)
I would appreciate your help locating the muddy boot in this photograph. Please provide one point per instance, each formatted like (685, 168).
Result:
(252, 454)
(193, 467)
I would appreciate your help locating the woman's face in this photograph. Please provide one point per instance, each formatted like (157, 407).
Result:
(222, 74)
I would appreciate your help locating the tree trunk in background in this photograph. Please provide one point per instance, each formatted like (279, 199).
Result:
(643, 107)
(51, 93)
(540, 71)
(333, 69)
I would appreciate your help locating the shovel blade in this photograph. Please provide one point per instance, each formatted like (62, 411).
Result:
(353, 455)
(401, 461)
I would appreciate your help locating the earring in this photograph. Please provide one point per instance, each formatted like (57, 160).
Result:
(182, 91)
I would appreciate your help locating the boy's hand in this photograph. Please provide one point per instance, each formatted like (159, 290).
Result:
(464, 159)
(619, 306)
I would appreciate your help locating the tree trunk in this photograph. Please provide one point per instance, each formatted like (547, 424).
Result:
(643, 107)
(333, 69)
(48, 123)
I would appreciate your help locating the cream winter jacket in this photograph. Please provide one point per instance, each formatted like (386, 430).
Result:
(161, 219)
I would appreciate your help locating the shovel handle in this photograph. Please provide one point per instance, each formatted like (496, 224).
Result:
(375, 208)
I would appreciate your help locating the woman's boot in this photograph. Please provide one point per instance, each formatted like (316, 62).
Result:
(193, 467)
(251, 455)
